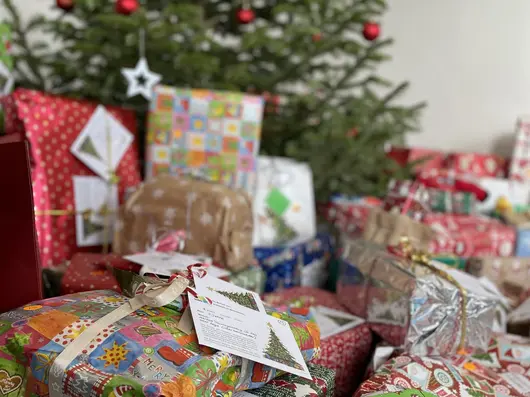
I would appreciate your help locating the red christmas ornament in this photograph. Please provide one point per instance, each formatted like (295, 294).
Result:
(65, 5)
(352, 133)
(371, 31)
(127, 7)
(245, 15)
(316, 37)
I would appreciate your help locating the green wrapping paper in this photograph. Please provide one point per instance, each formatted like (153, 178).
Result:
(322, 385)
(463, 203)
(252, 279)
(143, 354)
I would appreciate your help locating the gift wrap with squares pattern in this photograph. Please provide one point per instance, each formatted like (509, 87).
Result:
(211, 134)
(143, 354)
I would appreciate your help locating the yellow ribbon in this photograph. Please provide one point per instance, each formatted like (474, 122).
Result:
(113, 180)
(423, 258)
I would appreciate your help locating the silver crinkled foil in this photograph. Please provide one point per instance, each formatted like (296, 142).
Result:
(409, 305)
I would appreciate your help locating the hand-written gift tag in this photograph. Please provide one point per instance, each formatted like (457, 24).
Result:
(233, 320)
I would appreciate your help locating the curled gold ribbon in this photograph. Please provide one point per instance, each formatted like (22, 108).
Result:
(422, 258)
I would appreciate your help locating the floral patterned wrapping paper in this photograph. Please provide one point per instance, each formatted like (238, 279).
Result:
(503, 371)
(144, 354)
(289, 385)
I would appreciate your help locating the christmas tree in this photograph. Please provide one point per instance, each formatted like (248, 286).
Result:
(90, 228)
(245, 299)
(88, 147)
(276, 351)
(284, 233)
(315, 60)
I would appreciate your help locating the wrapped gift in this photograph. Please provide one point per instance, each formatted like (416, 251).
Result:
(74, 200)
(477, 164)
(453, 261)
(346, 352)
(520, 164)
(298, 264)
(452, 202)
(448, 180)
(511, 275)
(407, 198)
(350, 215)
(467, 236)
(211, 134)
(322, 385)
(252, 279)
(284, 203)
(424, 159)
(144, 353)
(502, 370)
(515, 193)
(216, 221)
(403, 294)
(521, 221)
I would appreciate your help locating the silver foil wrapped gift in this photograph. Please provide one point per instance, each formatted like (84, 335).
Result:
(414, 302)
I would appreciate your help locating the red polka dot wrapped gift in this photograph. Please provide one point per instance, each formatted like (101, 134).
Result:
(52, 125)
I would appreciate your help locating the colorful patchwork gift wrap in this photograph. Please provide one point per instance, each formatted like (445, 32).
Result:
(211, 134)
(143, 354)
(402, 294)
(346, 352)
(85, 158)
(322, 385)
(501, 371)
(298, 264)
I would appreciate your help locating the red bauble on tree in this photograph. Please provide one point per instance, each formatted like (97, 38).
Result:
(65, 5)
(127, 7)
(371, 31)
(245, 15)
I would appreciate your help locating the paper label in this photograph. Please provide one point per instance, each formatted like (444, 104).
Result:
(186, 321)
(102, 143)
(167, 263)
(233, 320)
(332, 322)
(96, 204)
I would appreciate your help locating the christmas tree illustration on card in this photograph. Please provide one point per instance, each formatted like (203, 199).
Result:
(277, 205)
(245, 299)
(87, 147)
(276, 351)
(90, 228)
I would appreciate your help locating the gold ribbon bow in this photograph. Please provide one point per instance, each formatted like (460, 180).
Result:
(422, 258)
(104, 212)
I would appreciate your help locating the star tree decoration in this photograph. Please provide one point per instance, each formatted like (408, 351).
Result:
(141, 80)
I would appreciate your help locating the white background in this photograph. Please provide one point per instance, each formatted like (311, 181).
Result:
(469, 59)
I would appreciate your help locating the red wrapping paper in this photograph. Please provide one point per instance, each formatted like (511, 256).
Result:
(88, 272)
(477, 164)
(467, 235)
(349, 218)
(432, 159)
(347, 353)
(502, 371)
(51, 124)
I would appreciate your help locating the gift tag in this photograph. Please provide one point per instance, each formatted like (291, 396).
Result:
(96, 206)
(233, 320)
(102, 143)
(332, 322)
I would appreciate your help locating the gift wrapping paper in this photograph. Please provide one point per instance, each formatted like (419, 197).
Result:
(211, 134)
(298, 264)
(477, 164)
(215, 220)
(289, 385)
(399, 297)
(452, 202)
(144, 354)
(350, 216)
(408, 198)
(428, 159)
(520, 164)
(346, 353)
(467, 236)
(51, 124)
(501, 371)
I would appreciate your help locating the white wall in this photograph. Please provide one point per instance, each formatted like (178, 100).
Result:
(470, 59)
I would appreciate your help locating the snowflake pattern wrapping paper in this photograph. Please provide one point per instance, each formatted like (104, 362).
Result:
(294, 386)
(216, 220)
(502, 371)
(520, 164)
(51, 124)
(211, 134)
(346, 353)
(144, 354)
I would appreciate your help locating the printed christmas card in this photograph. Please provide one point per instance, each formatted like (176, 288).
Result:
(233, 320)
(102, 143)
(332, 322)
(96, 205)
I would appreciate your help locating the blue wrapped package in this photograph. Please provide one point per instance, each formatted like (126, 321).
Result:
(303, 264)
